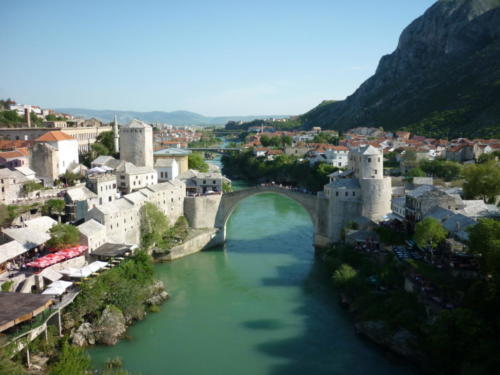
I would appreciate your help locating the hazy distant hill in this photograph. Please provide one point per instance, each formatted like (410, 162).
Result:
(443, 79)
(173, 118)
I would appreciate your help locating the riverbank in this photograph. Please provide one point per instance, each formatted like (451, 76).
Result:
(370, 290)
(106, 306)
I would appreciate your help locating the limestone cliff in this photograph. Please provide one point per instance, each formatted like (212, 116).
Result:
(442, 79)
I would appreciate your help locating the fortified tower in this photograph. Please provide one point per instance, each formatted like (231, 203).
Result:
(362, 190)
(136, 143)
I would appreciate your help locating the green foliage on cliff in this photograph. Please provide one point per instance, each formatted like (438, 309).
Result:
(125, 287)
(71, 360)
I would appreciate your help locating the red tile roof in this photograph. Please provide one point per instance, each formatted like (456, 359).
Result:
(53, 136)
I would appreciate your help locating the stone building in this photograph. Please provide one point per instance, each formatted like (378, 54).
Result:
(78, 200)
(136, 143)
(104, 185)
(92, 234)
(85, 135)
(131, 178)
(11, 185)
(122, 217)
(199, 183)
(423, 199)
(360, 191)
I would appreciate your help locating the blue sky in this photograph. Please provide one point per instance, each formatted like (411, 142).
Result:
(215, 57)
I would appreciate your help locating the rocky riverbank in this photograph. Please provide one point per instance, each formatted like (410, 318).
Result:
(111, 325)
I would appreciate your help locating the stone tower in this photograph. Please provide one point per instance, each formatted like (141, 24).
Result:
(136, 143)
(362, 190)
(116, 136)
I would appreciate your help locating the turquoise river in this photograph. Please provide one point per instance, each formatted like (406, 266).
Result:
(260, 305)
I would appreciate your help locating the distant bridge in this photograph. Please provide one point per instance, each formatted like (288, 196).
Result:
(217, 150)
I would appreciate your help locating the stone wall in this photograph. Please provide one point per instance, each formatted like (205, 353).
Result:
(198, 241)
(201, 212)
(45, 161)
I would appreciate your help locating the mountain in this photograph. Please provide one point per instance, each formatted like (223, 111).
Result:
(443, 79)
(173, 118)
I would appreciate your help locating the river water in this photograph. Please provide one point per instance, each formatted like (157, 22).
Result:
(260, 305)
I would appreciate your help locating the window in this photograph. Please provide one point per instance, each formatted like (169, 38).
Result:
(353, 193)
(110, 199)
(100, 200)
(346, 193)
(378, 159)
(369, 160)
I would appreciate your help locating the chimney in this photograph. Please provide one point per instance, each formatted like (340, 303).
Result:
(27, 116)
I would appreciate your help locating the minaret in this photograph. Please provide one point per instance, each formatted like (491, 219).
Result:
(116, 136)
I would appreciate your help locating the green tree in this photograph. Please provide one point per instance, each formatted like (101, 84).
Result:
(286, 140)
(195, 161)
(482, 180)
(416, 172)
(265, 140)
(107, 140)
(98, 149)
(484, 239)
(154, 224)
(63, 235)
(71, 360)
(429, 232)
(70, 178)
(54, 207)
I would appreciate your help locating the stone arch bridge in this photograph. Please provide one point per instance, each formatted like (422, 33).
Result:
(229, 201)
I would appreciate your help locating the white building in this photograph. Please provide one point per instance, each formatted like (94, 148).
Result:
(167, 169)
(104, 185)
(67, 148)
(131, 178)
(122, 217)
(336, 156)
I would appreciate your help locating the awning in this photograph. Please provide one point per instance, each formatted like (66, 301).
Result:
(57, 287)
(84, 271)
(57, 257)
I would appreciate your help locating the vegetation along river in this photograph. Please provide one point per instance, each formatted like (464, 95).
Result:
(261, 305)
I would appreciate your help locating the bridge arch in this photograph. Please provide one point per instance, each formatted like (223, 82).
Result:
(230, 201)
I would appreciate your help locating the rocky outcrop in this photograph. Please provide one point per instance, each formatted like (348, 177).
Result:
(443, 77)
(84, 335)
(107, 330)
(401, 342)
(110, 327)
(157, 293)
